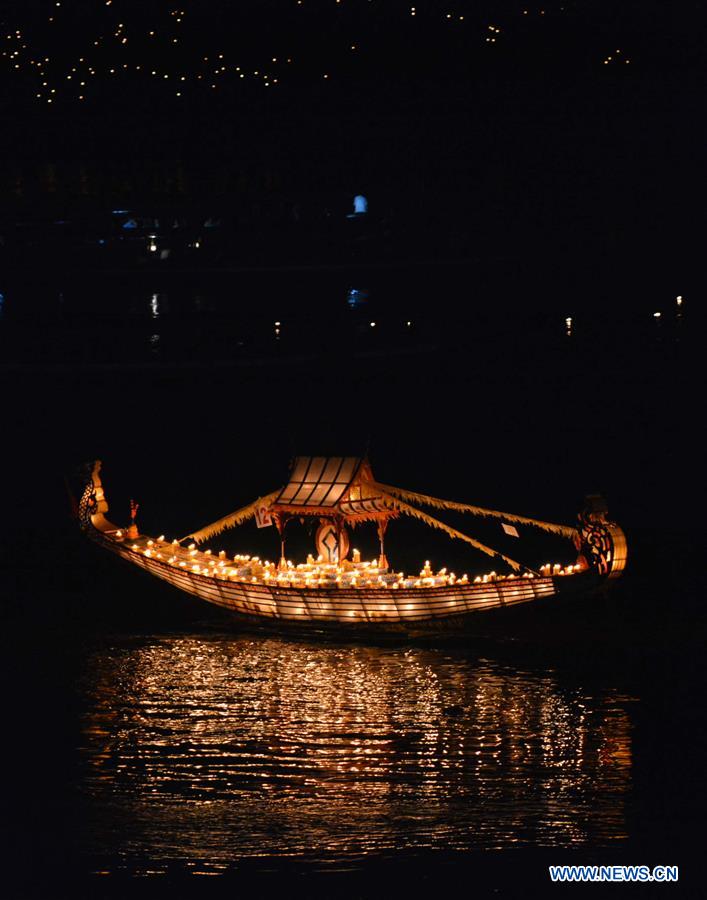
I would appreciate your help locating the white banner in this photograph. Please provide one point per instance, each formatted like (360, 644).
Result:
(263, 517)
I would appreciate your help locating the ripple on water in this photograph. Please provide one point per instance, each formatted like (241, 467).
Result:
(211, 749)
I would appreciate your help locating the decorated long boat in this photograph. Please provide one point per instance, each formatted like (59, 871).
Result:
(336, 593)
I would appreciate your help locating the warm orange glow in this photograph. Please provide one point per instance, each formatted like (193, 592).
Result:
(315, 573)
(348, 732)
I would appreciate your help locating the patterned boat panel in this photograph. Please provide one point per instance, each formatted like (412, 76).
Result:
(340, 605)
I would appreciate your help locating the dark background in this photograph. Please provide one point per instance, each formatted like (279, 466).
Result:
(531, 146)
(519, 183)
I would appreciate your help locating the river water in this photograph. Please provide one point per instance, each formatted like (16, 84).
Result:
(335, 753)
(146, 737)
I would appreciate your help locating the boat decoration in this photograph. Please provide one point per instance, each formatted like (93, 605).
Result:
(336, 591)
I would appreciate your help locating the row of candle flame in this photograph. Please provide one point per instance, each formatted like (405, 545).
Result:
(316, 572)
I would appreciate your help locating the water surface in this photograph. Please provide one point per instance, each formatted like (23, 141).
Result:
(200, 751)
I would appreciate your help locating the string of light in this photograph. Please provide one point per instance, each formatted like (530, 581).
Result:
(161, 53)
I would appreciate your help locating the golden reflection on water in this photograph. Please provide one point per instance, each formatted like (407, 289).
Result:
(204, 750)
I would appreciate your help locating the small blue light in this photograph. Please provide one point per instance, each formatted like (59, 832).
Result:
(360, 205)
(356, 296)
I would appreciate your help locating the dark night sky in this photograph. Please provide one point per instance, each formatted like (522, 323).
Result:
(542, 122)
(281, 61)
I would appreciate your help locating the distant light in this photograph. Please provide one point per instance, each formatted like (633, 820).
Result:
(678, 299)
(356, 296)
(277, 324)
(656, 315)
(373, 324)
(360, 204)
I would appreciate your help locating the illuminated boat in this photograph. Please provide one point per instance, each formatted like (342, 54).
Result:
(337, 593)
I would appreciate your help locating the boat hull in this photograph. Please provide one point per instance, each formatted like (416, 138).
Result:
(340, 612)
(357, 612)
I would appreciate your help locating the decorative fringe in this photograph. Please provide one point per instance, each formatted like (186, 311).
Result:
(393, 498)
(452, 532)
(563, 530)
(230, 521)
